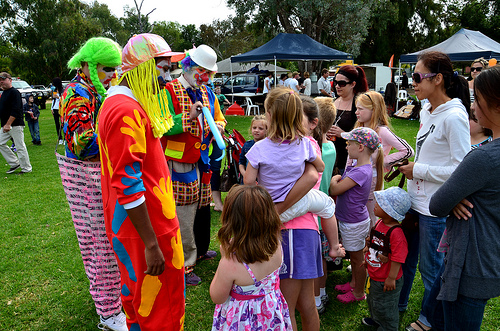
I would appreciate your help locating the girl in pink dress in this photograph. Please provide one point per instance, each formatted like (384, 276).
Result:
(246, 286)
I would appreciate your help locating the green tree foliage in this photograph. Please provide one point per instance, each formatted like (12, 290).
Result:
(229, 37)
(45, 33)
(339, 24)
(131, 22)
(403, 26)
(171, 32)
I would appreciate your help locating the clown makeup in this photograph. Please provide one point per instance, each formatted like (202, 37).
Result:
(105, 74)
(163, 71)
(198, 76)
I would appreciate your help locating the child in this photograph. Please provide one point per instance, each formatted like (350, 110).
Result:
(279, 161)
(385, 282)
(352, 189)
(246, 284)
(31, 114)
(258, 130)
(222, 98)
(372, 113)
(327, 113)
(268, 163)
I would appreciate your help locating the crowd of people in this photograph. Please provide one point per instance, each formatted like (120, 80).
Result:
(139, 179)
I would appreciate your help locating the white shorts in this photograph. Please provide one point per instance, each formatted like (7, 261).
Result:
(314, 201)
(354, 234)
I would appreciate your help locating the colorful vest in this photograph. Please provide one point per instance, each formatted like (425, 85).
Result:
(185, 147)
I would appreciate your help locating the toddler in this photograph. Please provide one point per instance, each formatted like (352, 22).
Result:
(385, 251)
(258, 130)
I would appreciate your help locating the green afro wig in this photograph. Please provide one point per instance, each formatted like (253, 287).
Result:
(96, 51)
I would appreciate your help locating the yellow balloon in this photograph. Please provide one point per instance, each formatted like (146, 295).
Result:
(492, 62)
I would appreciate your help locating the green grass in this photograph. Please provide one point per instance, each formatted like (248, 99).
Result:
(42, 281)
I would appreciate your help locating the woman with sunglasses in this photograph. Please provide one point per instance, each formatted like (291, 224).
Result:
(475, 69)
(348, 82)
(442, 142)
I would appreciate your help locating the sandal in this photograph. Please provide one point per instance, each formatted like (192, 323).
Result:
(417, 326)
(349, 297)
(344, 288)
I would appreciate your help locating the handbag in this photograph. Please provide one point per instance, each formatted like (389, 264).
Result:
(394, 172)
(228, 178)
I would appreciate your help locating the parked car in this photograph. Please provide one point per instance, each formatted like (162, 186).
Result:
(249, 82)
(47, 92)
(25, 89)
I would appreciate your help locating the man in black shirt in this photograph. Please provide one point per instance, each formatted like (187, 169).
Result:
(11, 115)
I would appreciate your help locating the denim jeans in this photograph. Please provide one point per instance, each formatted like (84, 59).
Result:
(432, 308)
(430, 231)
(35, 131)
(464, 313)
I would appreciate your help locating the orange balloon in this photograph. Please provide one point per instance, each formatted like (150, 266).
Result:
(492, 62)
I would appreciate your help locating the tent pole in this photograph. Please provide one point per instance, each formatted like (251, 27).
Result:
(275, 78)
(399, 75)
(232, 80)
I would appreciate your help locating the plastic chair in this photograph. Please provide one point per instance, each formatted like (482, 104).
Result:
(402, 95)
(251, 106)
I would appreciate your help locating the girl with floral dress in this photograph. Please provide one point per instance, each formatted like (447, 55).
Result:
(246, 286)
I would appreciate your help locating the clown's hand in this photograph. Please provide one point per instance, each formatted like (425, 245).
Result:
(195, 110)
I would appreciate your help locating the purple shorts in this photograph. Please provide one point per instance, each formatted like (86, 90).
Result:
(301, 254)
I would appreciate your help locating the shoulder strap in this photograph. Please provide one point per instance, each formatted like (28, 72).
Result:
(250, 272)
(387, 240)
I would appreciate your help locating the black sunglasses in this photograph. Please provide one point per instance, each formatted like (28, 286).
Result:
(478, 69)
(418, 77)
(341, 83)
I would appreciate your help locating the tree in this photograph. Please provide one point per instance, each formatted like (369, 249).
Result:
(45, 34)
(339, 24)
(171, 32)
(134, 23)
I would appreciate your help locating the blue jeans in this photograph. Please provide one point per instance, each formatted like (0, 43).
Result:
(432, 308)
(430, 231)
(464, 313)
(35, 131)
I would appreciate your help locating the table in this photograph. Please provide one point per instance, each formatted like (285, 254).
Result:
(248, 98)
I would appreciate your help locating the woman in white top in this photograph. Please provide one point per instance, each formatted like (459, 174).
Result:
(442, 142)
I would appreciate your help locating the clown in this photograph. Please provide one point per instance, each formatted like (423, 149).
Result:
(186, 148)
(80, 103)
(139, 210)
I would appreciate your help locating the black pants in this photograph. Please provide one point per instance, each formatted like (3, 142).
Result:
(202, 230)
(57, 120)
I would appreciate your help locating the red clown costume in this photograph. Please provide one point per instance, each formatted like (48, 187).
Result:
(137, 191)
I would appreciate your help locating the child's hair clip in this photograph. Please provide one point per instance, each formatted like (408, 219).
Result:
(291, 92)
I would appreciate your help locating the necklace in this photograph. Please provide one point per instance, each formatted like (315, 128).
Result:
(338, 118)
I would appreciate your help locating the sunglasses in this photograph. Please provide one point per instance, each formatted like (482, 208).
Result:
(418, 77)
(478, 69)
(341, 83)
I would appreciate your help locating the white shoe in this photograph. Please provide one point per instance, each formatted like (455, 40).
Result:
(61, 142)
(114, 323)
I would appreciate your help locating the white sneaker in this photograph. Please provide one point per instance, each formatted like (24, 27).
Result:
(114, 323)
(61, 142)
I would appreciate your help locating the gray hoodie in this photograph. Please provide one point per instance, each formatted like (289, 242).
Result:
(472, 264)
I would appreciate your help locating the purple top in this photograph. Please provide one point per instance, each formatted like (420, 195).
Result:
(280, 165)
(351, 206)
